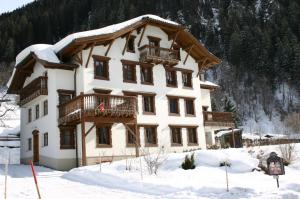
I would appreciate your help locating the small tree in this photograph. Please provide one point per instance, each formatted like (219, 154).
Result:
(229, 106)
(288, 153)
(189, 162)
(153, 162)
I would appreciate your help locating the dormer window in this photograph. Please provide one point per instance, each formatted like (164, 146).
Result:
(101, 67)
(130, 45)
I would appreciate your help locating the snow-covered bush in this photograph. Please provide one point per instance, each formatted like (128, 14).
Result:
(288, 153)
(189, 162)
(153, 161)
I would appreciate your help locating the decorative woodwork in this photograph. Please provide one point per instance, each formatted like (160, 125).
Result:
(92, 106)
(158, 55)
(37, 87)
(218, 119)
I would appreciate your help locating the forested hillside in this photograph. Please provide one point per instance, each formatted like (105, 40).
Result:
(257, 40)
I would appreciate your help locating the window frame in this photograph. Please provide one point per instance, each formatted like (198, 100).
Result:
(189, 77)
(174, 144)
(168, 70)
(29, 115)
(29, 142)
(72, 138)
(45, 108)
(131, 38)
(37, 111)
(109, 145)
(148, 144)
(143, 67)
(65, 92)
(129, 64)
(105, 63)
(186, 109)
(153, 104)
(188, 136)
(169, 105)
(45, 138)
(127, 136)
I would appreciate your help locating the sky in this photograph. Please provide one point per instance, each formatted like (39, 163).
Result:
(10, 5)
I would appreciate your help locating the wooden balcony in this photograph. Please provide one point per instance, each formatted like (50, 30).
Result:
(37, 87)
(158, 55)
(218, 119)
(99, 108)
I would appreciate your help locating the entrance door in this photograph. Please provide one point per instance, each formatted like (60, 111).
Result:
(35, 135)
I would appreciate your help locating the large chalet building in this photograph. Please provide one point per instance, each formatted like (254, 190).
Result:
(113, 91)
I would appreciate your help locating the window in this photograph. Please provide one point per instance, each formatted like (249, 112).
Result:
(130, 45)
(176, 139)
(146, 74)
(150, 135)
(189, 107)
(171, 78)
(148, 104)
(101, 67)
(29, 115)
(192, 135)
(173, 105)
(45, 139)
(67, 138)
(129, 74)
(154, 45)
(187, 79)
(177, 51)
(104, 136)
(45, 107)
(65, 95)
(29, 144)
(37, 111)
(130, 138)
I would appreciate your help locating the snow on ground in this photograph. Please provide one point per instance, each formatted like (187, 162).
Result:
(207, 180)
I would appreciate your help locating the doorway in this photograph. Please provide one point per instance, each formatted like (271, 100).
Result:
(36, 154)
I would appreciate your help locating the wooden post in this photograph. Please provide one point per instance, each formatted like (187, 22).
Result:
(227, 189)
(137, 140)
(233, 138)
(139, 43)
(35, 179)
(83, 149)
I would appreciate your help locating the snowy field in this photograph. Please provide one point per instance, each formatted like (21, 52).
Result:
(207, 180)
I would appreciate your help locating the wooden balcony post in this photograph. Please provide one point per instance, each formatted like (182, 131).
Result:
(137, 139)
(83, 152)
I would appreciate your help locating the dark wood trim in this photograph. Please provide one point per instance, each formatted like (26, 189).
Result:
(60, 66)
(105, 61)
(131, 37)
(184, 125)
(156, 137)
(171, 136)
(132, 128)
(178, 105)
(130, 64)
(134, 93)
(141, 37)
(65, 91)
(90, 53)
(101, 58)
(191, 79)
(109, 134)
(185, 106)
(102, 90)
(90, 129)
(126, 43)
(143, 66)
(72, 130)
(176, 82)
(176, 35)
(109, 46)
(188, 137)
(154, 107)
(154, 38)
(188, 53)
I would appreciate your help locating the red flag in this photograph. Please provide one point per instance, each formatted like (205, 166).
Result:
(101, 107)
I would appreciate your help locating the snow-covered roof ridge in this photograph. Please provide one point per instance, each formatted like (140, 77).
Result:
(48, 52)
(208, 83)
(42, 51)
(107, 30)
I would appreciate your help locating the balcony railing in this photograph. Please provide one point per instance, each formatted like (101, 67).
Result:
(97, 105)
(218, 119)
(158, 55)
(37, 87)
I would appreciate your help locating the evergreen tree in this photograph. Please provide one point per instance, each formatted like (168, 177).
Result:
(229, 106)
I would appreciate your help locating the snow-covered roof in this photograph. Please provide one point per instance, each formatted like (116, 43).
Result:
(208, 83)
(225, 132)
(48, 52)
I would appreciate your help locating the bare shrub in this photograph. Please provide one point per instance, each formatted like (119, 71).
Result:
(288, 153)
(154, 161)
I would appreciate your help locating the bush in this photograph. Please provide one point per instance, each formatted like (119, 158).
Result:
(288, 153)
(189, 162)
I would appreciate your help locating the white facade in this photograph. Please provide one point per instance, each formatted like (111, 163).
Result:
(55, 157)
